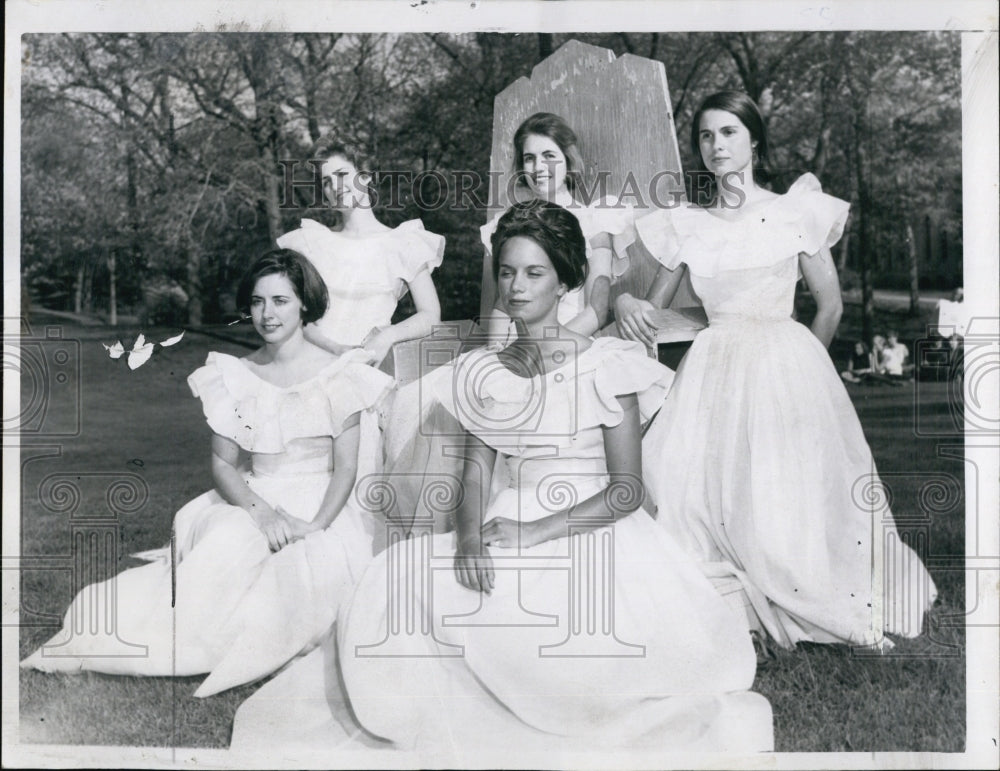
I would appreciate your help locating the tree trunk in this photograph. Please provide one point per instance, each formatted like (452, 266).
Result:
(930, 258)
(78, 290)
(845, 250)
(945, 260)
(911, 249)
(112, 290)
(193, 264)
(822, 151)
(88, 289)
(864, 232)
(271, 193)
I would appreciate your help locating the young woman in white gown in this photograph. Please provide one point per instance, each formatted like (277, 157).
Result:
(367, 266)
(757, 461)
(548, 167)
(558, 616)
(259, 564)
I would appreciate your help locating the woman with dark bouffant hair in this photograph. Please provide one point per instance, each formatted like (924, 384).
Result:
(258, 565)
(548, 167)
(367, 266)
(756, 459)
(555, 603)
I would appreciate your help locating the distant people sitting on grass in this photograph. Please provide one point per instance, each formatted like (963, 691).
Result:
(895, 358)
(859, 365)
(878, 373)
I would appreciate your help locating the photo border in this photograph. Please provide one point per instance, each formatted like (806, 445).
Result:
(977, 20)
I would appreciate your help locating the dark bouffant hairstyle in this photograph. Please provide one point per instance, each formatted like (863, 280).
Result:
(554, 229)
(546, 124)
(305, 279)
(744, 108)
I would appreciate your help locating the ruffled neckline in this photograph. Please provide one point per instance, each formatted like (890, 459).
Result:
(262, 417)
(505, 385)
(401, 229)
(227, 361)
(507, 410)
(802, 220)
(807, 183)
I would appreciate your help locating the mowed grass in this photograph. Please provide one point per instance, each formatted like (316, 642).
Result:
(145, 422)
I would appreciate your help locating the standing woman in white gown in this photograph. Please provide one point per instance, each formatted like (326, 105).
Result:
(558, 616)
(259, 564)
(757, 461)
(367, 266)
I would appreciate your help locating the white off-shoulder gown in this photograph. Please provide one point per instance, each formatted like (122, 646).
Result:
(757, 461)
(604, 639)
(220, 601)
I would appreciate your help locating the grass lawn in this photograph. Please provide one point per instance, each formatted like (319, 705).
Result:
(145, 422)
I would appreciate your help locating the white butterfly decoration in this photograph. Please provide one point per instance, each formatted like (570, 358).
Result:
(141, 350)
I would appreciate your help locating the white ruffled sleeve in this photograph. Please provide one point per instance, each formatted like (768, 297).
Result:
(312, 240)
(617, 220)
(820, 217)
(660, 237)
(263, 418)
(412, 250)
(622, 367)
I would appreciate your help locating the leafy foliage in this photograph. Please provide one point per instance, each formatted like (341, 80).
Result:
(164, 152)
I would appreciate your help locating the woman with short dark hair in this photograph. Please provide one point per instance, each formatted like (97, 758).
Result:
(258, 565)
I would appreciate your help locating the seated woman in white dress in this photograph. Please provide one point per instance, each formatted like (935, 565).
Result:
(367, 266)
(757, 461)
(558, 615)
(261, 562)
(548, 167)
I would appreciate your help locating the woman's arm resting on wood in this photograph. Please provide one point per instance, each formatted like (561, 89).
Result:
(596, 290)
(631, 313)
(820, 273)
